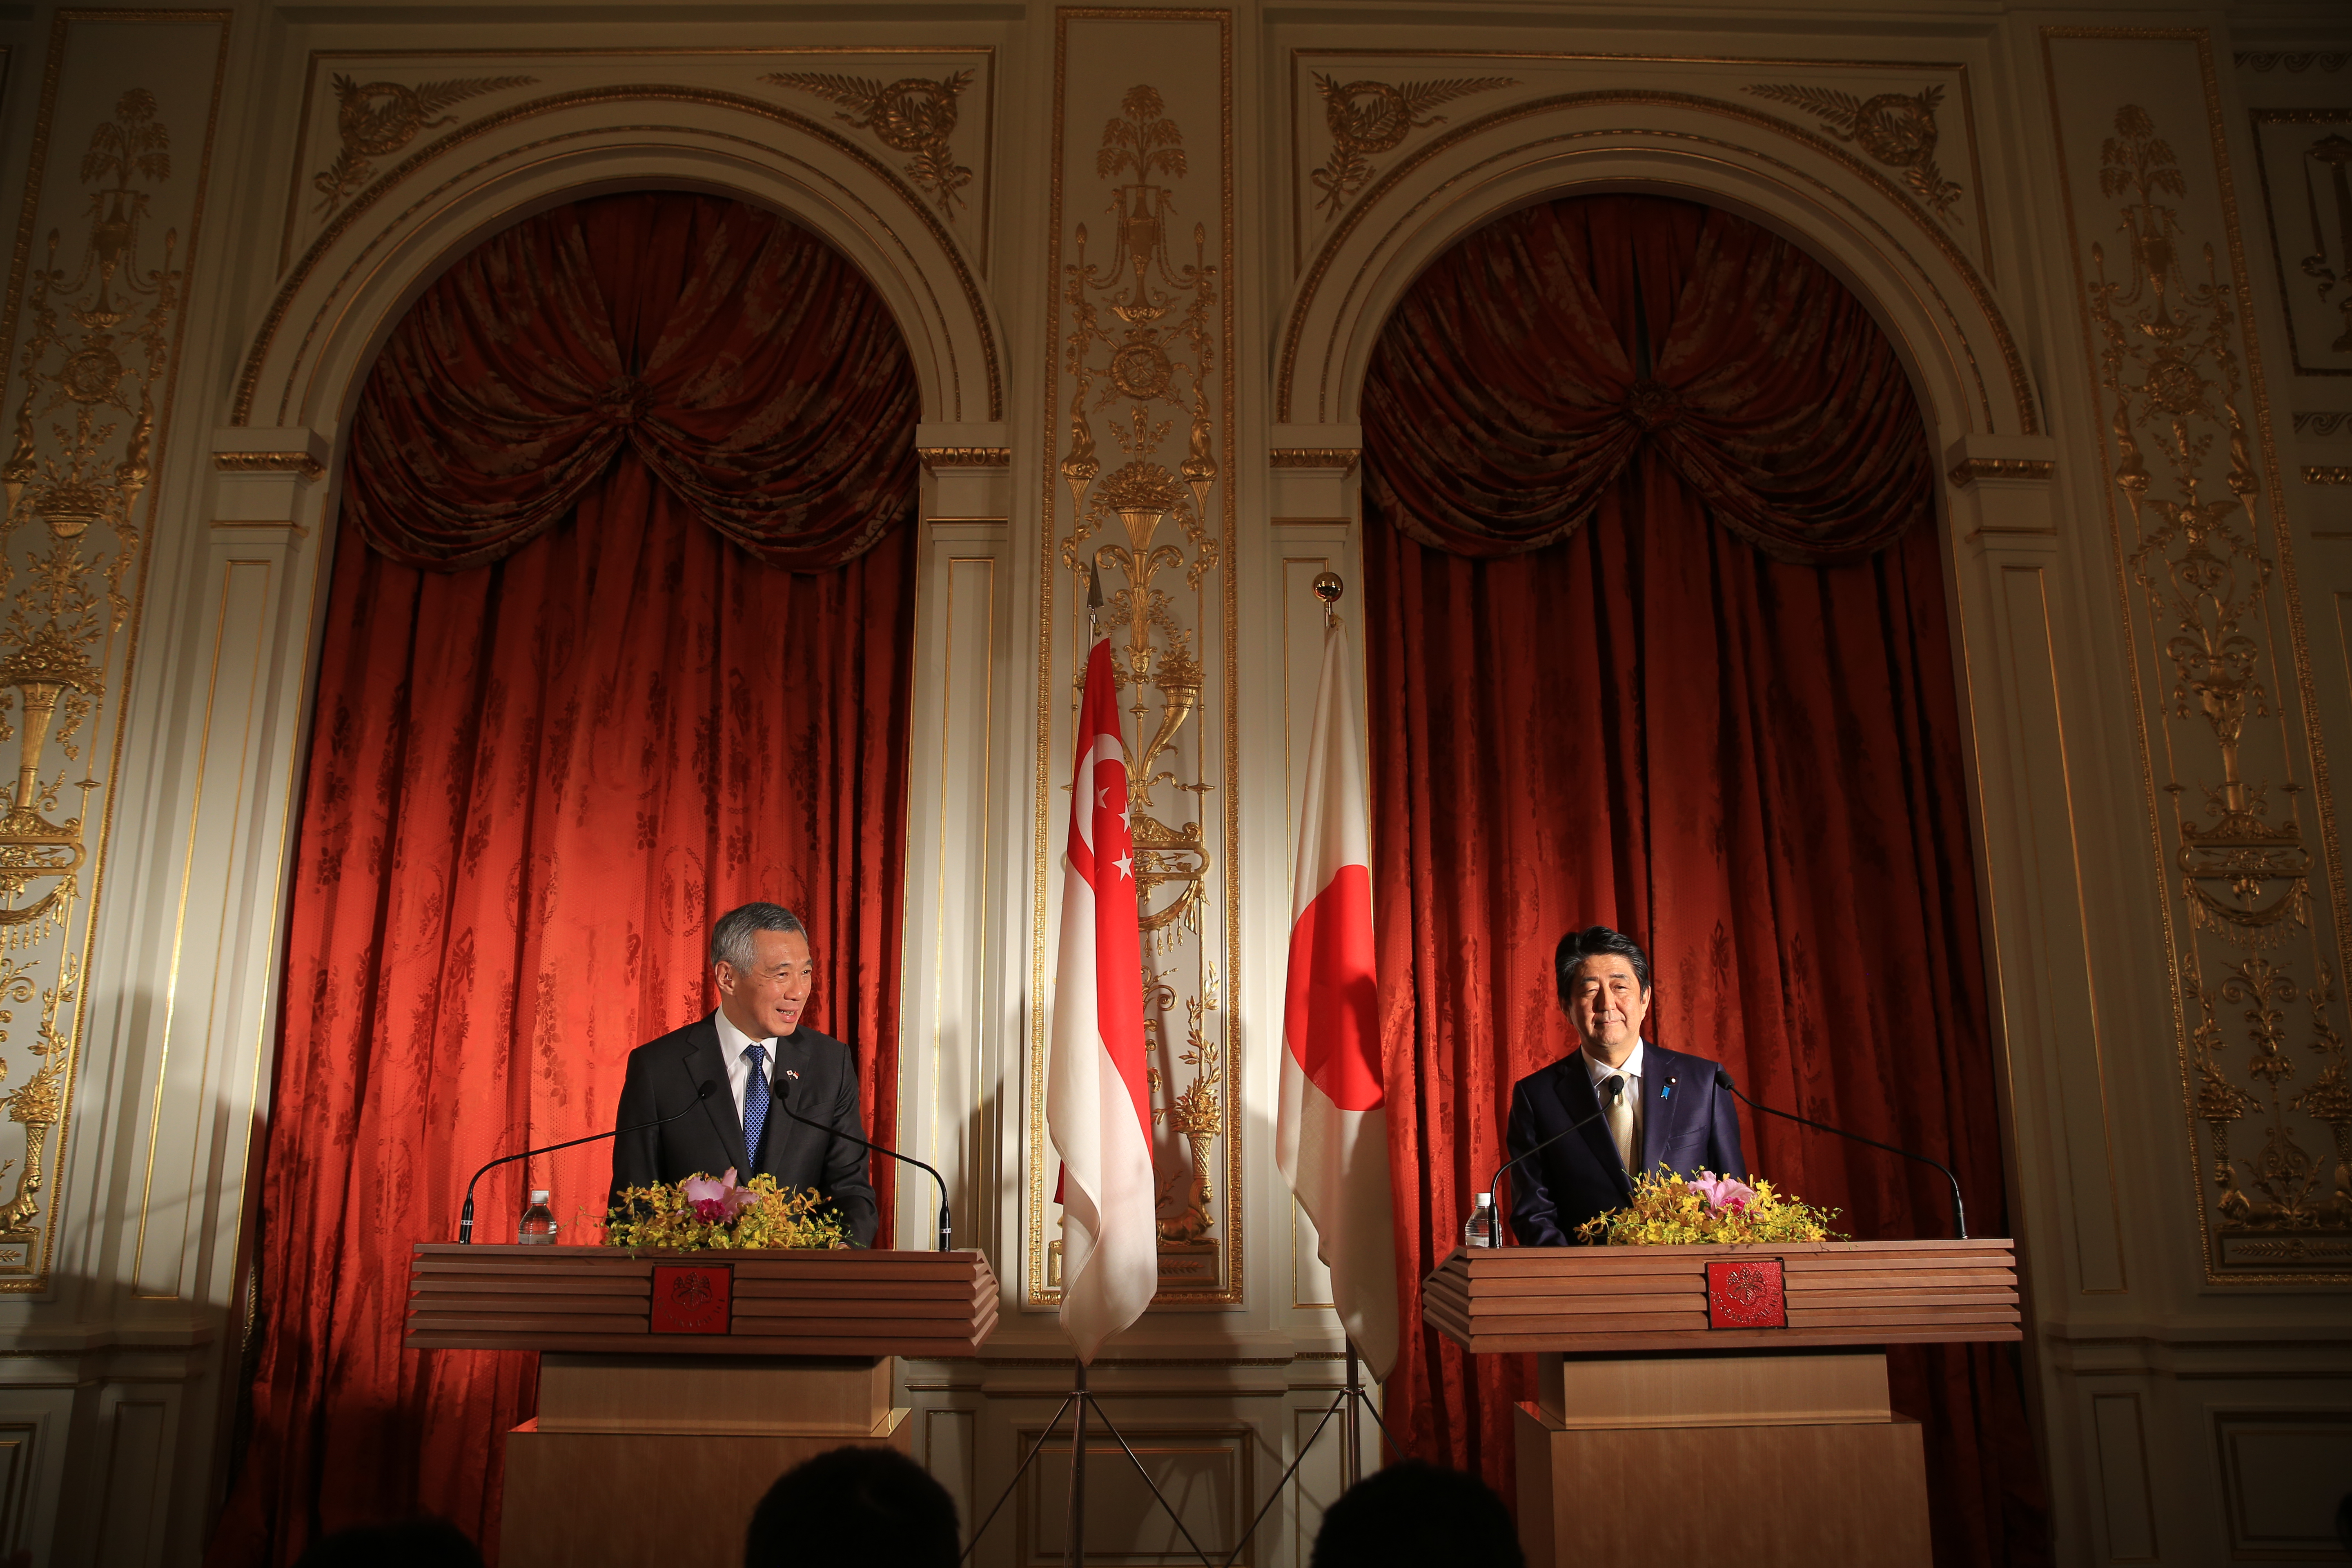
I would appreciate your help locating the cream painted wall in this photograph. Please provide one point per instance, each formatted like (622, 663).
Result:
(2190, 1354)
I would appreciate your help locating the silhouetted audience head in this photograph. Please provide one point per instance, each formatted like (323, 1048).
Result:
(874, 1507)
(1414, 1515)
(425, 1543)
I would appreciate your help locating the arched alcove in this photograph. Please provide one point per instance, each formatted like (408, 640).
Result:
(342, 295)
(1928, 295)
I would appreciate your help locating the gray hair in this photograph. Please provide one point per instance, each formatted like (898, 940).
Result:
(730, 938)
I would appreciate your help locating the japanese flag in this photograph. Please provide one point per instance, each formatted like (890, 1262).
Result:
(1331, 1134)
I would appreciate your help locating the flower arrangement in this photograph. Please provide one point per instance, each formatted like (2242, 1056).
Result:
(1669, 1210)
(702, 1213)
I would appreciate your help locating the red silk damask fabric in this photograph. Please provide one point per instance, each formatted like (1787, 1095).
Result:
(772, 394)
(532, 786)
(1754, 767)
(1542, 357)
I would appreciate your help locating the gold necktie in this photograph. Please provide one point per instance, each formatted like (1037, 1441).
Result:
(1621, 1122)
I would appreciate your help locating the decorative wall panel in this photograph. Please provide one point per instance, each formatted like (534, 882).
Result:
(95, 316)
(2242, 826)
(2305, 159)
(928, 114)
(1358, 115)
(1139, 426)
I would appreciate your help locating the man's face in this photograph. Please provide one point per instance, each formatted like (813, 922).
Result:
(1607, 1005)
(766, 998)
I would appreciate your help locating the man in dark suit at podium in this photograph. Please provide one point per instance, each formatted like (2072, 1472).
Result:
(1655, 1107)
(755, 1051)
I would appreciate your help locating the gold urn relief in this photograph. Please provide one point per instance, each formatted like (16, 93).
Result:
(1140, 458)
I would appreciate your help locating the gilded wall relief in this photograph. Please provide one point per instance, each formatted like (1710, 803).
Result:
(913, 115)
(378, 118)
(1362, 119)
(1895, 128)
(923, 114)
(94, 319)
(1137, 503)
(2243, 831)
(1366, 119)
(2305, 159)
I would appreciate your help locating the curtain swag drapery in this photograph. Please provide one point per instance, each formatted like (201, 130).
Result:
(772, 396)
(1606, 708)
(535, 780)
(1528, 384)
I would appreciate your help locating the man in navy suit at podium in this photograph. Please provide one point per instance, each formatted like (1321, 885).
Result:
(1649, 1108)
(754, 1051)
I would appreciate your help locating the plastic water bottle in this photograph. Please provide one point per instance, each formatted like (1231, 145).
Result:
(538, 1228)
(1478, 1230)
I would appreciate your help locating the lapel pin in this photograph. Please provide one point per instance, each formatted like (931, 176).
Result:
(1668, 1091)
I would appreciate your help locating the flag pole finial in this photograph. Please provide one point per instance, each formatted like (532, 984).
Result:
(1094, 596)
(1328, 588)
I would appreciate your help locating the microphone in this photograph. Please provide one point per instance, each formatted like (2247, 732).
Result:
(465, 1218)
(1960, 1214)
(1615, 1084)
(783, 1102)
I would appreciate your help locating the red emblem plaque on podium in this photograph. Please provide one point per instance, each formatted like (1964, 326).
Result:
(694, 1298)
(1746, 1295)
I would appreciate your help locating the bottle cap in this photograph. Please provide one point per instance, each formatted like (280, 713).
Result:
(539, 1194)
(1486, 1200)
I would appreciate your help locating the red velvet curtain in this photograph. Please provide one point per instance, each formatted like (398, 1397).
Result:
(1644, 720)
(532, 785)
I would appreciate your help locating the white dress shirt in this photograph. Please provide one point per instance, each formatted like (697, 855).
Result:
(733, 1042)
(1602, 1072)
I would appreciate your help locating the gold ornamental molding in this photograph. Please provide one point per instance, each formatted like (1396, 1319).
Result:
(2295, 61)
(1969, 471)
(377, 118)
(938, 457)
(1367, 119)
(914, 115)
(2333, 474)
(2321, 423)
(1898, 129)
(1341, 457)
(1934, 233)
(1139, 436)
(300, 463)
(2245, 839)
(92, 342)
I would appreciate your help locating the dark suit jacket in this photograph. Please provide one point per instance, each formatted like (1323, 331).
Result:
(1686, 1127)
(665, 1076)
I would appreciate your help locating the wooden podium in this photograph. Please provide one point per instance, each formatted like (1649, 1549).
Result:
(675, 1387)
(1705, 1406)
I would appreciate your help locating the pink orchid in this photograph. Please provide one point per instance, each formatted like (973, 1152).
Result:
(1722, 1193)
(718, 1202)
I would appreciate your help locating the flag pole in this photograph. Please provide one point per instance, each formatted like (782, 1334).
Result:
(1074, 1548)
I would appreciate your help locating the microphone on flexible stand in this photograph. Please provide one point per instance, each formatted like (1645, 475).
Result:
(465, 1218)
(947, 1217)
(1615, 1084)
(1960, 1214)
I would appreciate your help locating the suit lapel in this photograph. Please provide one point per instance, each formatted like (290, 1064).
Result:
(792, 1056)
(1660, 1111)
(1578, 1100)
(704, 1060)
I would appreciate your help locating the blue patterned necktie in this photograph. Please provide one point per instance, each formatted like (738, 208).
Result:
(755, 1104)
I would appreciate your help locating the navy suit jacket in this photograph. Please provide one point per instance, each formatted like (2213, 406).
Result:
(1687, 1125)
(665, 1076)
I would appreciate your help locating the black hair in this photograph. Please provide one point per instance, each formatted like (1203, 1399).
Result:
(874, 1507)
(1595, 941)
(730, 938)
(1412, 1514)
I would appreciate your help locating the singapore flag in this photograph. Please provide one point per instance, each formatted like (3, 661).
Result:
(1096, 1099)
(1331, 1135)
